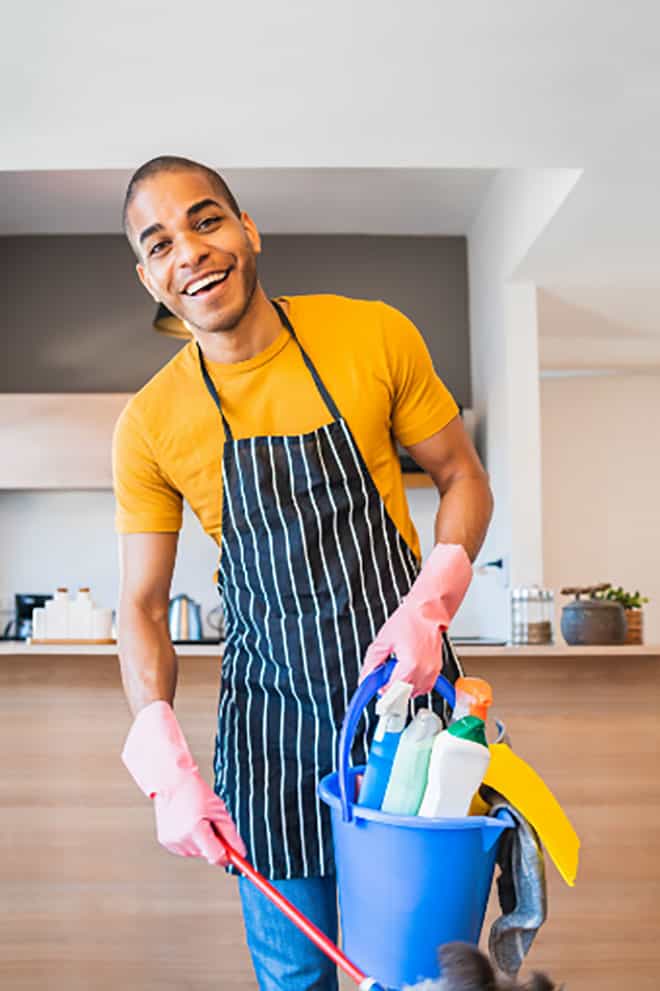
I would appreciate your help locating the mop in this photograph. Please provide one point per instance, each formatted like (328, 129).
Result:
(363, 981)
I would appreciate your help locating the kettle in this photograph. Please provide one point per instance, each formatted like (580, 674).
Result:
(184, 618)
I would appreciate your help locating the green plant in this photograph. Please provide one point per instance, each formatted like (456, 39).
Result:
(627, 599)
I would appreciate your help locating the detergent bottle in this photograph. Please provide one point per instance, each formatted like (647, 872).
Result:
(460, 755)
(392, 708)
(407, 783)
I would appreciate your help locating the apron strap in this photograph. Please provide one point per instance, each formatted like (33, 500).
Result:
(213, 392)
(325, 395)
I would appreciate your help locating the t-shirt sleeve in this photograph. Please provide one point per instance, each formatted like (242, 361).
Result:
(145, 501)
(421, 403)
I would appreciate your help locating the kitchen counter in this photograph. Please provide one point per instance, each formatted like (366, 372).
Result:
(551, 652)
(97, 903)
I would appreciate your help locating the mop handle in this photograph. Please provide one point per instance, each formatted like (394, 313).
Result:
(317, 937)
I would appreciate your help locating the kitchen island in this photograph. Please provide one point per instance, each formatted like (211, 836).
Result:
(96, 903)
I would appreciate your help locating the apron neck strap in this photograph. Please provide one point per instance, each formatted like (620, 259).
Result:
(213, 392)
(325, 395)
(286, 323)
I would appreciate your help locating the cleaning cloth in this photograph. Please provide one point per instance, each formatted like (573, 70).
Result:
(521, 888)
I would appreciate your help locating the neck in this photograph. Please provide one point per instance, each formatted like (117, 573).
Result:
(259, 326)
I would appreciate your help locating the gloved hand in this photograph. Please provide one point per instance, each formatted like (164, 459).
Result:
(413, 633)
(157, 756)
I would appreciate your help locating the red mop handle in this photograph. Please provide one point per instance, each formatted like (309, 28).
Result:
(310, 930)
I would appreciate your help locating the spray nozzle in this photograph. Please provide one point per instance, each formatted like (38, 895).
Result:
(392, 708)
(394, 700)
(473, 697)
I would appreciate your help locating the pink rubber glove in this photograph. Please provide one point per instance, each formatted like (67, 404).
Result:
(158, 758)
(414, 631)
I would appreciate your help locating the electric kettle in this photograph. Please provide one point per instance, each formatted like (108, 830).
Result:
(184, 618)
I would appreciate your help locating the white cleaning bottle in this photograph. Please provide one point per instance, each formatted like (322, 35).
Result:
(392, 709)
(460, 755)
(407, 783)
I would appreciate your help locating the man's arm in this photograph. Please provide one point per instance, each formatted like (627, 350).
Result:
(147, 658)
(413, 633)
(466, 503)
(189, 816)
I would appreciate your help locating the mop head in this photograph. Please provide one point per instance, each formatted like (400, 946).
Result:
(464, 968)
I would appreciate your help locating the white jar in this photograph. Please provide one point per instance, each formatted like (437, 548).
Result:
(57, 615)
(101, 624)
(80, 616)
(39, 623)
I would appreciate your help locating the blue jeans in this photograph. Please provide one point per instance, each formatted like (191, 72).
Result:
(282, 956)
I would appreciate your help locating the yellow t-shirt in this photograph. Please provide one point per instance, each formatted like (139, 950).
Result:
(374, 363)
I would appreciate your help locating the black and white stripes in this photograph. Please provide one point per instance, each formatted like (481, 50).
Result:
(311, 566)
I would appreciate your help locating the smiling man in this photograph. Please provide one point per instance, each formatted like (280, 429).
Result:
(278, 423)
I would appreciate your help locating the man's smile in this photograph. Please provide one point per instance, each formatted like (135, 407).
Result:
(203, 285)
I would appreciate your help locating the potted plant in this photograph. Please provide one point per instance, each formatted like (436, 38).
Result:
(632, 604)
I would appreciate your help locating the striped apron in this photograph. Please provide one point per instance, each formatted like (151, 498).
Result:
(311, 566)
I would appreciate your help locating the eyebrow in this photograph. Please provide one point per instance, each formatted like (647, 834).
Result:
(192, 211)
(201, 205)
(148, 231)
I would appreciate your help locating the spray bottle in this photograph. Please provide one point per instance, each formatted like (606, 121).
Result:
(407, 783)
(391, 708)
(460, 755)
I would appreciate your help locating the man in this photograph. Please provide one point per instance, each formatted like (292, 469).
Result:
(278, 424)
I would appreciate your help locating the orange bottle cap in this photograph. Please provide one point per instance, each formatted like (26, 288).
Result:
(480, 695)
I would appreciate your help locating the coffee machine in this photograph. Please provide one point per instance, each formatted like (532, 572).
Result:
(20, 627)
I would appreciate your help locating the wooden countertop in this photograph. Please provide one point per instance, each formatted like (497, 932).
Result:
(557, 652)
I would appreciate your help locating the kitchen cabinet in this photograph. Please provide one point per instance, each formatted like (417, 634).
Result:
(125, 913)
(58, 441)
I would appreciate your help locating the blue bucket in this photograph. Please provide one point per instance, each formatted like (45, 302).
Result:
(406, 884)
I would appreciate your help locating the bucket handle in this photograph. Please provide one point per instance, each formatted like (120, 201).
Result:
(365, 692)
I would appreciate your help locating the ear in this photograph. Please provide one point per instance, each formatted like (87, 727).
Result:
(464, 968)
(146, 282)
(251, 231)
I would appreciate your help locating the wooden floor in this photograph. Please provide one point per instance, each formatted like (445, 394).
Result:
(90, 901)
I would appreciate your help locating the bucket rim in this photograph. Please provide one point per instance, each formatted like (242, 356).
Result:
(333, 799)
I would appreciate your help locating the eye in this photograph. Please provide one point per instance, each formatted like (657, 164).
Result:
(206, 222)
(158, 247)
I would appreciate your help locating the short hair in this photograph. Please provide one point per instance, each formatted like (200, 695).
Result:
(174, 163)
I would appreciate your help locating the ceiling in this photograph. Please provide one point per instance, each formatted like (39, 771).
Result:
(403, 100)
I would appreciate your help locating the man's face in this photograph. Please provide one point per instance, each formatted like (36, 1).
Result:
(197, 256)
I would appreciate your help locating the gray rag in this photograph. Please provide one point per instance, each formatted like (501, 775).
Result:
(521, 888)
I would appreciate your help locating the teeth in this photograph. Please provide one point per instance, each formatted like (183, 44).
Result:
(206, 281)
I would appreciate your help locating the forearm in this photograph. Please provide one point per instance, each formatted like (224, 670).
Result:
(146, 655)
(465, 510)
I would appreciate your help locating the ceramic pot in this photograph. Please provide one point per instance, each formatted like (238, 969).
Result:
(592, 621)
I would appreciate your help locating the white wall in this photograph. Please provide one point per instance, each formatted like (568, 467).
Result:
(504, 356)
(67, 538)
(601, 485)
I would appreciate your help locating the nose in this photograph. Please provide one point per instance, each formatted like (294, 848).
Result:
(191, 250)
